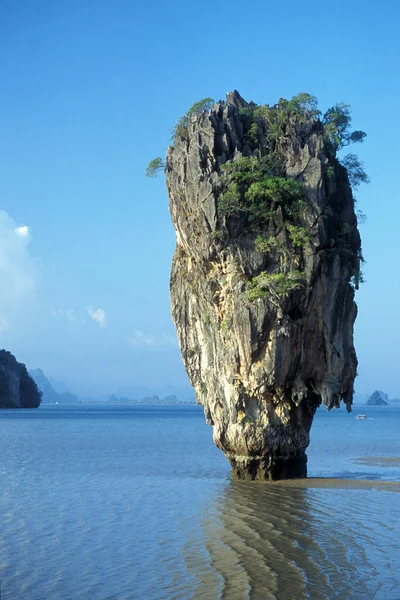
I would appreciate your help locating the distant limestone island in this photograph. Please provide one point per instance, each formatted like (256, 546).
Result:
(378, 398)
(49, 394)
(17, 388)
(62, 396)
(172, 399)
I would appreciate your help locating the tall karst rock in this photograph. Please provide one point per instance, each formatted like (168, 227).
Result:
(262, 282)
(17, 388)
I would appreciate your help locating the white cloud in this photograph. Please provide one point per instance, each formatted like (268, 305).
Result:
(140, 339)
(18, 271)
(23, 231)
(98, 315)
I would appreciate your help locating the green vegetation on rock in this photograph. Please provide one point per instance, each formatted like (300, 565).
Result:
(181, 128)
(253, 185)
(275, 285)
(336, 122)
(154, 167)
(269, 245)
(298, 235)
(256, 193)
(355, 170)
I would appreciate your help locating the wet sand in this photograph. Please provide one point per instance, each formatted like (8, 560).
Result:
(342, 484)
(378, 461)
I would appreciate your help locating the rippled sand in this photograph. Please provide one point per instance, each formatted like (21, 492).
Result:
(378, 461)
(135, 503)
(341, 484)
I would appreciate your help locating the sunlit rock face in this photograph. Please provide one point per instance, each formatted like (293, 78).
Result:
(262, 352)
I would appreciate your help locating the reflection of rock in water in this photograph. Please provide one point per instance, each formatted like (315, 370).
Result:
(265, 542)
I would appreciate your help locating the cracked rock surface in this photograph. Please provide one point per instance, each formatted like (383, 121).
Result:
(260, 367)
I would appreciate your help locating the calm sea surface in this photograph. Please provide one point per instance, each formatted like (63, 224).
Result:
(136, 502)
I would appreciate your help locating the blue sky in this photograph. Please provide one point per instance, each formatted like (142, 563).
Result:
(89, 93)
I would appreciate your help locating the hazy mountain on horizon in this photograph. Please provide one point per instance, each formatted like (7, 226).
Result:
(60, 386)
(148, 400)
(50, 396)
(184, 393)
(55, 391)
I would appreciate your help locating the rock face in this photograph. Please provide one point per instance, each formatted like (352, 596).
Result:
(260, 281)
(17, 388)
(378, 398)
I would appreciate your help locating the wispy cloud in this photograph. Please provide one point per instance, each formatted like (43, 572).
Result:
(98, 315)
(66, 313)
(140, 339)
(18, 270)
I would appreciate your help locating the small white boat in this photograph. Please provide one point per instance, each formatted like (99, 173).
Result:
(361, 417)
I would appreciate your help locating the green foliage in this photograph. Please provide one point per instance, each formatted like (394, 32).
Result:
(225, 327)
(217, 235)
(202, 105)
(277, 285)
(303, 103)
(181, 128)
(269, 245)
(358, 274)
(270, 190)
(246, 112)
(250, 169)
(154, 167)
(254, 185)
(330, 171)
(231, 201)
(273, 121)
(298, 235)
(253, 135)
(337, 122)
(361, 216)
(355, 170)
(357, 278)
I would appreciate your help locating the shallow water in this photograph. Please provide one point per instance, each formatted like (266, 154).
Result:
(136, 502)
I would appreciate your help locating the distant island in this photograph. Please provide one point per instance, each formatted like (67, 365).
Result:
(51, 396)
(172, 399)
(378, 398)
(17, 388)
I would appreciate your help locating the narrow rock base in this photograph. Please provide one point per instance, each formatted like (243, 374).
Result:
(268, 467)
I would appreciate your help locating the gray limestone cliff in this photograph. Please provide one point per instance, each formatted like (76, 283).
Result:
(261, 292)
(17, 388)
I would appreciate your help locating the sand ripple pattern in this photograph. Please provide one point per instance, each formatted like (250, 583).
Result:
(265, 543)
(134, 504)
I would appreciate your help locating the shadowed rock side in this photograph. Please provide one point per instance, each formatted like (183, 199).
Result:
(262, 352)
(17, 388)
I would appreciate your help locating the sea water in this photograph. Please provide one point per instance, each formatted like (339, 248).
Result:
(137, 502)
